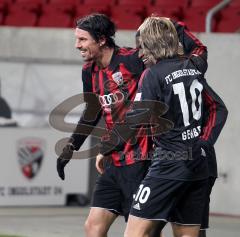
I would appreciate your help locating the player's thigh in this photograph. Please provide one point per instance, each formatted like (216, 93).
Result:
(205, 216)
(138, 227)
(185, 230)
(190, 206)
(107, 194)
(129, 181)
(100, 218)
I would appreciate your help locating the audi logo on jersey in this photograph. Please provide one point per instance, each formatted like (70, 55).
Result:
(110, 99)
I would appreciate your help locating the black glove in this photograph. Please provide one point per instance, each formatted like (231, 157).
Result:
(63, 159)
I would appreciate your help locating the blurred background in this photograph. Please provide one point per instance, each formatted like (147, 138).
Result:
(40, 68)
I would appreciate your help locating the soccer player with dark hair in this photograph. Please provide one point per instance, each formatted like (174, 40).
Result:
(112, 74)
(175, 189)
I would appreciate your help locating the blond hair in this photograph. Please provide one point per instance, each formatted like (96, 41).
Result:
(158, 37)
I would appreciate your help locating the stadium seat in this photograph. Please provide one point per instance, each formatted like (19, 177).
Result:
(6, 2)
(99, 3)
(1, 18)
(73, 2)
(21, 18)
(195, 19)
(171, 12)
(25, 6)
(3, 8)
(127, 22)
(64, 14)
(67, 8)
(3, 11)
(169, 8)
(55, 19)
(31, 1)
(22, 14)
(89, 8)
(234, 3)
(204, 3)
(133, 3)
(197, 12)
(171, 3)
(230, 20)
(128, 18)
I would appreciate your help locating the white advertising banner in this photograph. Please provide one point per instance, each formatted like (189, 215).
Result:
(28, 174)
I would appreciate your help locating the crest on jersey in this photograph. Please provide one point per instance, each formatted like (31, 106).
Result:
(30, 153)
(118, 78)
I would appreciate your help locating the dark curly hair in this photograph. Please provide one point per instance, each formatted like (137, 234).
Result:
(98, 25)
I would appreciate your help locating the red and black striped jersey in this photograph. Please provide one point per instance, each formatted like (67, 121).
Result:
(116, 87)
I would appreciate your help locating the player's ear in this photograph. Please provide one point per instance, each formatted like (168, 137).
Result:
(102, 41)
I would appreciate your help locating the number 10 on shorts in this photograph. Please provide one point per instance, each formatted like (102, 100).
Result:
(142, 194)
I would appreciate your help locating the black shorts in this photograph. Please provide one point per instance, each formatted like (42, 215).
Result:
(115, 187)
(205, 216)
(181, 202)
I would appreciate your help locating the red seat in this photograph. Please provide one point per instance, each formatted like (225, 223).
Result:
(204, 3)
(127, 22)
(22, 14)
(171, 12)
(172, 3)
(63, 13)
(3, 7)
(6, 1)
(33, 7)
(99, 2)
(67, 8)
(89, 9)
(230, 20)
(1, 18)
(234, 3)
(55, 19)
(21, 18)
(196, 19)
(131, 11)
(73, 2)
(31, 1)
(94, 6)
(133, 3)
(128, 18)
